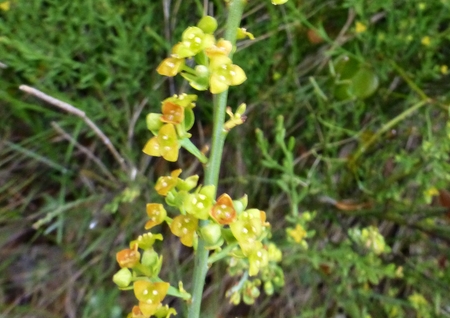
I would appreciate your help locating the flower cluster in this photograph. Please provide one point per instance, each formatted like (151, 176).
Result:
(271, 277)
(371, 239)
(140, 273)
(214, 69)
(170, 127)
(225, 225)
(230, 223)
(229, 220)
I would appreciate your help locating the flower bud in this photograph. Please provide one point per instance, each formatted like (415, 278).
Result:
(188, 183)
(154, 122)
(208, 24)
(242, 33)
(241, 204)
(122, 278)
(268, 288)
(211, 234)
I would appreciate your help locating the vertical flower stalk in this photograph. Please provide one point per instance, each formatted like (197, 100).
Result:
(203, 221)
(236, 8)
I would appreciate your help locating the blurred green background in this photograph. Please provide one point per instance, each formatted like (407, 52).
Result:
(363, 86)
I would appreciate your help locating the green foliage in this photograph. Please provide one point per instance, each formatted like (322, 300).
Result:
(380, 162)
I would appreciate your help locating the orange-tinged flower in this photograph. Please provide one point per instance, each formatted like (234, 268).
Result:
(156, 213)
(128, 257)
(167, 183)
(223, 211)
(136, 313)
(184, 226)
(172, 113)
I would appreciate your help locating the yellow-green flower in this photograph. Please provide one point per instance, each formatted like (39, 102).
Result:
(277, 2)
(298, 234)
(165, 144)
(224, 74)
(5, 5)
(170, 66)
(426, 41)
(360, 27)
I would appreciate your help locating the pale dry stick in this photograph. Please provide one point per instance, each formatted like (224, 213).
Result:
(134, 120)
(83, 149)
(75, 111)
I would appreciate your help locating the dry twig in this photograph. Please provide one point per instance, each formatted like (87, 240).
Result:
(83, 149)
(75, 111)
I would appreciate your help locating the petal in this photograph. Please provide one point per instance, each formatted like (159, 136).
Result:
(152, 148)
(168, 142)
(219, 62)
(170, 66)
(156, 213)
(218, 83)
(237, 75)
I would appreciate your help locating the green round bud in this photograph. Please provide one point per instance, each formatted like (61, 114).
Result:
(211, 233)
(208, 24)
(268, 288)
(149, 257)
(154, 122)
(202, 71)
(122, 278)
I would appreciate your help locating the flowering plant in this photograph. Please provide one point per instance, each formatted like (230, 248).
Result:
(215, 227)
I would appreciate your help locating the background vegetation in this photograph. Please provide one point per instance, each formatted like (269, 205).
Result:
(66, 206)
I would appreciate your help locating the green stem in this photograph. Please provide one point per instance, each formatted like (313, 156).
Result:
(212, 169)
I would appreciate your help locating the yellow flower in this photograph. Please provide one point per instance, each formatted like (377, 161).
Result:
(360, 27)
(430, 193)
(444, 69)
(298, 234)
(5, 6)
(277, 2)
(426, 41)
